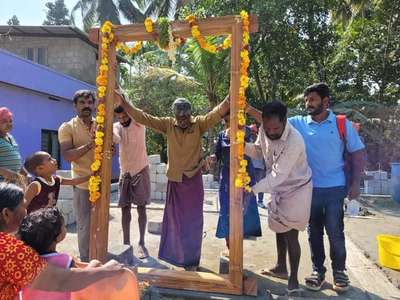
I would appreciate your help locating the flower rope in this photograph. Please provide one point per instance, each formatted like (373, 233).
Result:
(101, 81)
(227, 43)
(242, 179)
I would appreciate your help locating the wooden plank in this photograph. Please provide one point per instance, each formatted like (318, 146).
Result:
(236, 195)
(208, 27)
(94, 36)
(100, 210)
(194, 281)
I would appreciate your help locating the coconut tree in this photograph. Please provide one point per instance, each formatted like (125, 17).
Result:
(94, 12)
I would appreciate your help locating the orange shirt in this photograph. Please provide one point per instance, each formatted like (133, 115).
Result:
(19, 266)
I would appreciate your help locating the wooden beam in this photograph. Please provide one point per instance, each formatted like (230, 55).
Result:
(193, 281)
(100, 210)
(236, 195)
(208, 27)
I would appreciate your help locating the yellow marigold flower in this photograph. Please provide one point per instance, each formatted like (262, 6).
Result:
(148, 24)
(98, 141)
(238, 183)
(101, 89)
(227, 42)
(244, 81)
(99, 134)
(101, 107)
(190, 19)
(247, 188)
(244, 14)
(100, 119)
(95, 165)
(246, 37)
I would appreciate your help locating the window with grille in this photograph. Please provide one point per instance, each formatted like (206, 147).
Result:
(50, 143)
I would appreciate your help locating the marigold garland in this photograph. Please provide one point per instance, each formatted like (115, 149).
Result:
(101, 81)
(227, 43)
(242, 179)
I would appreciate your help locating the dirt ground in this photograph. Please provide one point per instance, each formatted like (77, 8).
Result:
(363, 232)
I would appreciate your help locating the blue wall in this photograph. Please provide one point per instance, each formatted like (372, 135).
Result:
(25, 88)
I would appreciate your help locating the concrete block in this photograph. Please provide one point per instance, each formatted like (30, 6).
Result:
(64, 173)
(66, 192)
(157, 195)
(154, 159)
(121, 253)
(154, 226)
(153, 169)
(153, 177)
(161, 178)
(161, 187)
(161, 168)
(223, 264)
(66, 208)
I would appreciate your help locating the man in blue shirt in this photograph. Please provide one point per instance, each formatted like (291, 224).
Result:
(325, 157)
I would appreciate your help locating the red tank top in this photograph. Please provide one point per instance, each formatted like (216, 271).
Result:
(47, 192)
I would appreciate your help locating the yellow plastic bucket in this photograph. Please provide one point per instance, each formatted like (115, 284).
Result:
(389, 251)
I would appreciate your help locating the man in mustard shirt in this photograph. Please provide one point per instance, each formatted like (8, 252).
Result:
(76, 139)
(182, 227)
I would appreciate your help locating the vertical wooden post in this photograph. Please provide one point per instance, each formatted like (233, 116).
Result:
(100, 210)
(236, 195)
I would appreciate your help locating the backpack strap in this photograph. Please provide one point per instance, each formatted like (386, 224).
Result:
(341, 126)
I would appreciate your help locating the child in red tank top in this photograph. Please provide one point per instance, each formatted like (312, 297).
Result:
(44, 189)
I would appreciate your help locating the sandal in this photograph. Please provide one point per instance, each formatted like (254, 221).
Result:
(341, 282)
(315, 281)
(272, 273)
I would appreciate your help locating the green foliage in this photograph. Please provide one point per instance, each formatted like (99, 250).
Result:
(13, 21)
(154, 89)
(57, 13)
(163, 34)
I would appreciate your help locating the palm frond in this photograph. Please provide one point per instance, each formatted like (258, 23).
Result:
(130, 11)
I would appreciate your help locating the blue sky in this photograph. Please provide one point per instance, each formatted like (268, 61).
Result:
(29, 12)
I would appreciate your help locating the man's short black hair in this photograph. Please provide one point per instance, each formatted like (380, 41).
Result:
(83, 94)
(40, 228)
(274, 108)
(320, 88)
(119, 109)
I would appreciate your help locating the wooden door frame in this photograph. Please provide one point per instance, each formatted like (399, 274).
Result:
(234, 282)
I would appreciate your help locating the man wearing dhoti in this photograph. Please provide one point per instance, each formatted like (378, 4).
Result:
(288, 180)
(182, 226)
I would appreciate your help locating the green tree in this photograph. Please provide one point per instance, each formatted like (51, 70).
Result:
(57, 13)
(13, 21)
(95, 12)
(367, 60)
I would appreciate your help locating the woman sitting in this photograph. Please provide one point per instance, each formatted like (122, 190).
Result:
(21, 266)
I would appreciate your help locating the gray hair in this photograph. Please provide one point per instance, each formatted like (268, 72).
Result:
(182, 107)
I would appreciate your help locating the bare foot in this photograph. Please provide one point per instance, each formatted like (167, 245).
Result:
(142, 252)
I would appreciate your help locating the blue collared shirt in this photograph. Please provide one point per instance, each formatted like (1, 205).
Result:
(325, 148)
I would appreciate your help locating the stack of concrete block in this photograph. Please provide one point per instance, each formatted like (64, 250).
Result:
(208, 182)
(65, 197)
(377, 183)
(158, 178)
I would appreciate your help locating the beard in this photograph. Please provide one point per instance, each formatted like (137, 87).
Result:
(313, 111)
(273, 137)
(127, 123)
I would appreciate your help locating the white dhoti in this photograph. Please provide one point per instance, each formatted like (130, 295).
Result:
(290, 210)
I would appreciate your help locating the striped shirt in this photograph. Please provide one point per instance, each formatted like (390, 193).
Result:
(9, 154)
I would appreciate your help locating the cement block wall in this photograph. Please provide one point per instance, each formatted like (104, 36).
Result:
(70, 56)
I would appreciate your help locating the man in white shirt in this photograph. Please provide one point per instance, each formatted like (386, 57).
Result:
(288, 180)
